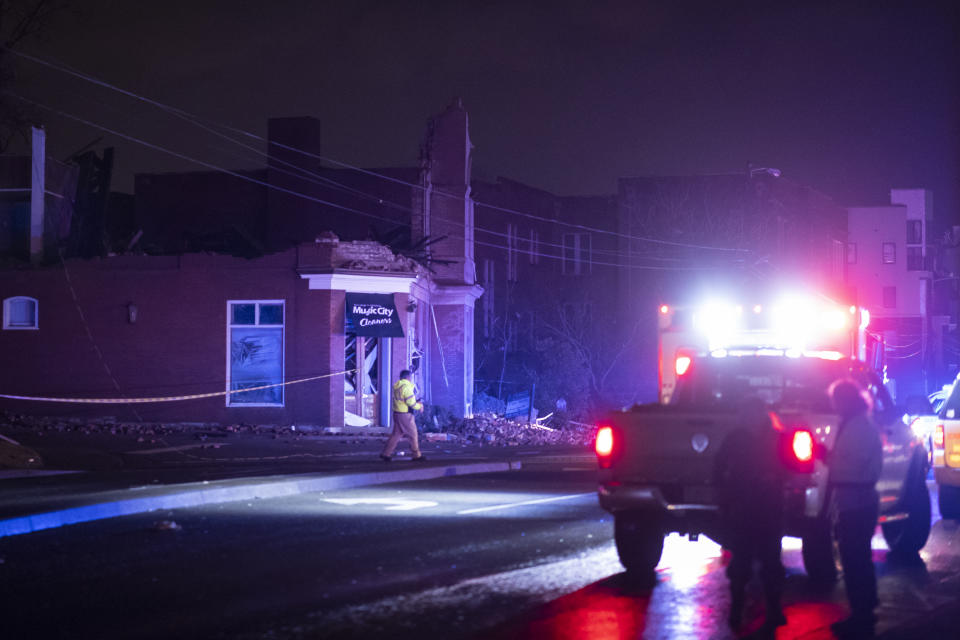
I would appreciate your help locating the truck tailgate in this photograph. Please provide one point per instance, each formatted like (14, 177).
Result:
(666, 446)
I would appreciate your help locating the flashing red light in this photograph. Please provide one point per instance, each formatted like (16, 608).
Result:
(682, 365)
(803, 445)
(938, 439)
(604, 444)
(664, 309)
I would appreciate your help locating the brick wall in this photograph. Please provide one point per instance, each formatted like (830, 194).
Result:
(178, 344)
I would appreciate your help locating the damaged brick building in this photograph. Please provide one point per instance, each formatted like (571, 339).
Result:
(249, 289)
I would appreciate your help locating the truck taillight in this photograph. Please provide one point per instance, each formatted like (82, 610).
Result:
(938, 439)
(604, 446)
(803, 446)
(682, 364)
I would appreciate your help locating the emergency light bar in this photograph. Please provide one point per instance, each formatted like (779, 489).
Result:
(795, 322)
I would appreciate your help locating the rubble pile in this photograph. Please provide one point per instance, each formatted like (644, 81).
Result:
(491, 429)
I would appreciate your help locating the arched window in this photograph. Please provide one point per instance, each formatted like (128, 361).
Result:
(20, 312)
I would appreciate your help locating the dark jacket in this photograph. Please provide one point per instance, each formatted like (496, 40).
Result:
(750, 476)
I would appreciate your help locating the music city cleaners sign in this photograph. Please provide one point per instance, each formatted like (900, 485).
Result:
(373, 314)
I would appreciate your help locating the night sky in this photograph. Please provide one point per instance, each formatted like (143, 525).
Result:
(852, 98)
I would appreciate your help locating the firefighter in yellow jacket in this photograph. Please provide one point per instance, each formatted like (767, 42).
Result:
(404, 404)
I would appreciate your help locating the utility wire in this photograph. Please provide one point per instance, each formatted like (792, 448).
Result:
(268, 185)
(196, 120)
(318, 179)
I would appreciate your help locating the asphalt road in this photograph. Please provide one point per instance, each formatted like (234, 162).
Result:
(523, 554)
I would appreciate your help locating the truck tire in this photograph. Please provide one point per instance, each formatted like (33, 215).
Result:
(949, 502)
(639, 541)
(908, 536)
(819, 555)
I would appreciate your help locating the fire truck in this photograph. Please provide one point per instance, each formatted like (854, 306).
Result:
(792, 324)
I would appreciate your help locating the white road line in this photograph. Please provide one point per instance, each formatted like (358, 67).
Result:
(522, 504)
(394, 504)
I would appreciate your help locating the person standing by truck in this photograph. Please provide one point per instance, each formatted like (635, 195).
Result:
(750, 476)
(855, 463)
(404, 404)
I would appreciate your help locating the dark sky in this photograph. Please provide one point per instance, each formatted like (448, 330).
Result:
(851, 97)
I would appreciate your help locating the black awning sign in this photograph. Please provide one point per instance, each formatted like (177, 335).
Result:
(373, 314)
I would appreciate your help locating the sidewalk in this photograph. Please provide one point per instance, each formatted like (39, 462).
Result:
(71, 476)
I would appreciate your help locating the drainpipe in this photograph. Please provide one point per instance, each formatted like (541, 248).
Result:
(37, 187)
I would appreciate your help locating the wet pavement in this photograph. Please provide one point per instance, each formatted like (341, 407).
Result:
(525, 554)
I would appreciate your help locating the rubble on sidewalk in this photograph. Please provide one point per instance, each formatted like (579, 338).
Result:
(491, 429)
(487, 429)
(166, 525)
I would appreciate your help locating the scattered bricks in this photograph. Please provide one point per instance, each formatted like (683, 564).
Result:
(494, 430)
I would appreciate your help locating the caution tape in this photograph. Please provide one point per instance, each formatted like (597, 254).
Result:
(195, 396)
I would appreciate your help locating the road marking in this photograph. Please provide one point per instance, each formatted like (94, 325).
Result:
(396, 504)
(522, 504)
(184, 447)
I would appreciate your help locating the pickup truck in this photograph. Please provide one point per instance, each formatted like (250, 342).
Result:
(657, 461)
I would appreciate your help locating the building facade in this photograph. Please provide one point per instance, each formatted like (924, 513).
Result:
(888, 263)
(289, 295)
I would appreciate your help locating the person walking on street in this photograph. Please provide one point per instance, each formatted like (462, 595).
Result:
(751, 476)
(854, 464)
(404, 404)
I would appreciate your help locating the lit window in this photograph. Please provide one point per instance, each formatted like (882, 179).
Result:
(889, 253)
(20, 312)
(255, 340)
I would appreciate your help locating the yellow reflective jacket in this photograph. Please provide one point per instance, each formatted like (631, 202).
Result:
(403, 398)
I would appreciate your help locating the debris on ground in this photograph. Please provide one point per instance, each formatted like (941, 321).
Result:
(166, 525)
(494, 430)
(483, 428)
(14, 455)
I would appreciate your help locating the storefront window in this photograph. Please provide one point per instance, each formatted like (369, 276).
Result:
(256, 353)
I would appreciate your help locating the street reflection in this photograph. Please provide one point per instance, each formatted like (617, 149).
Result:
(607, 610)
(689, 599)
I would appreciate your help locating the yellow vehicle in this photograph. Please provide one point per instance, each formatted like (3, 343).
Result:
(946, 454)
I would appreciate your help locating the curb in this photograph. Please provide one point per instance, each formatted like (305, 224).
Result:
(217, 495)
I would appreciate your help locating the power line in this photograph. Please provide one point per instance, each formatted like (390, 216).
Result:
(198, 120)
(318, 179)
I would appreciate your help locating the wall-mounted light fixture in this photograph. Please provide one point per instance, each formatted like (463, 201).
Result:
(131, 313)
